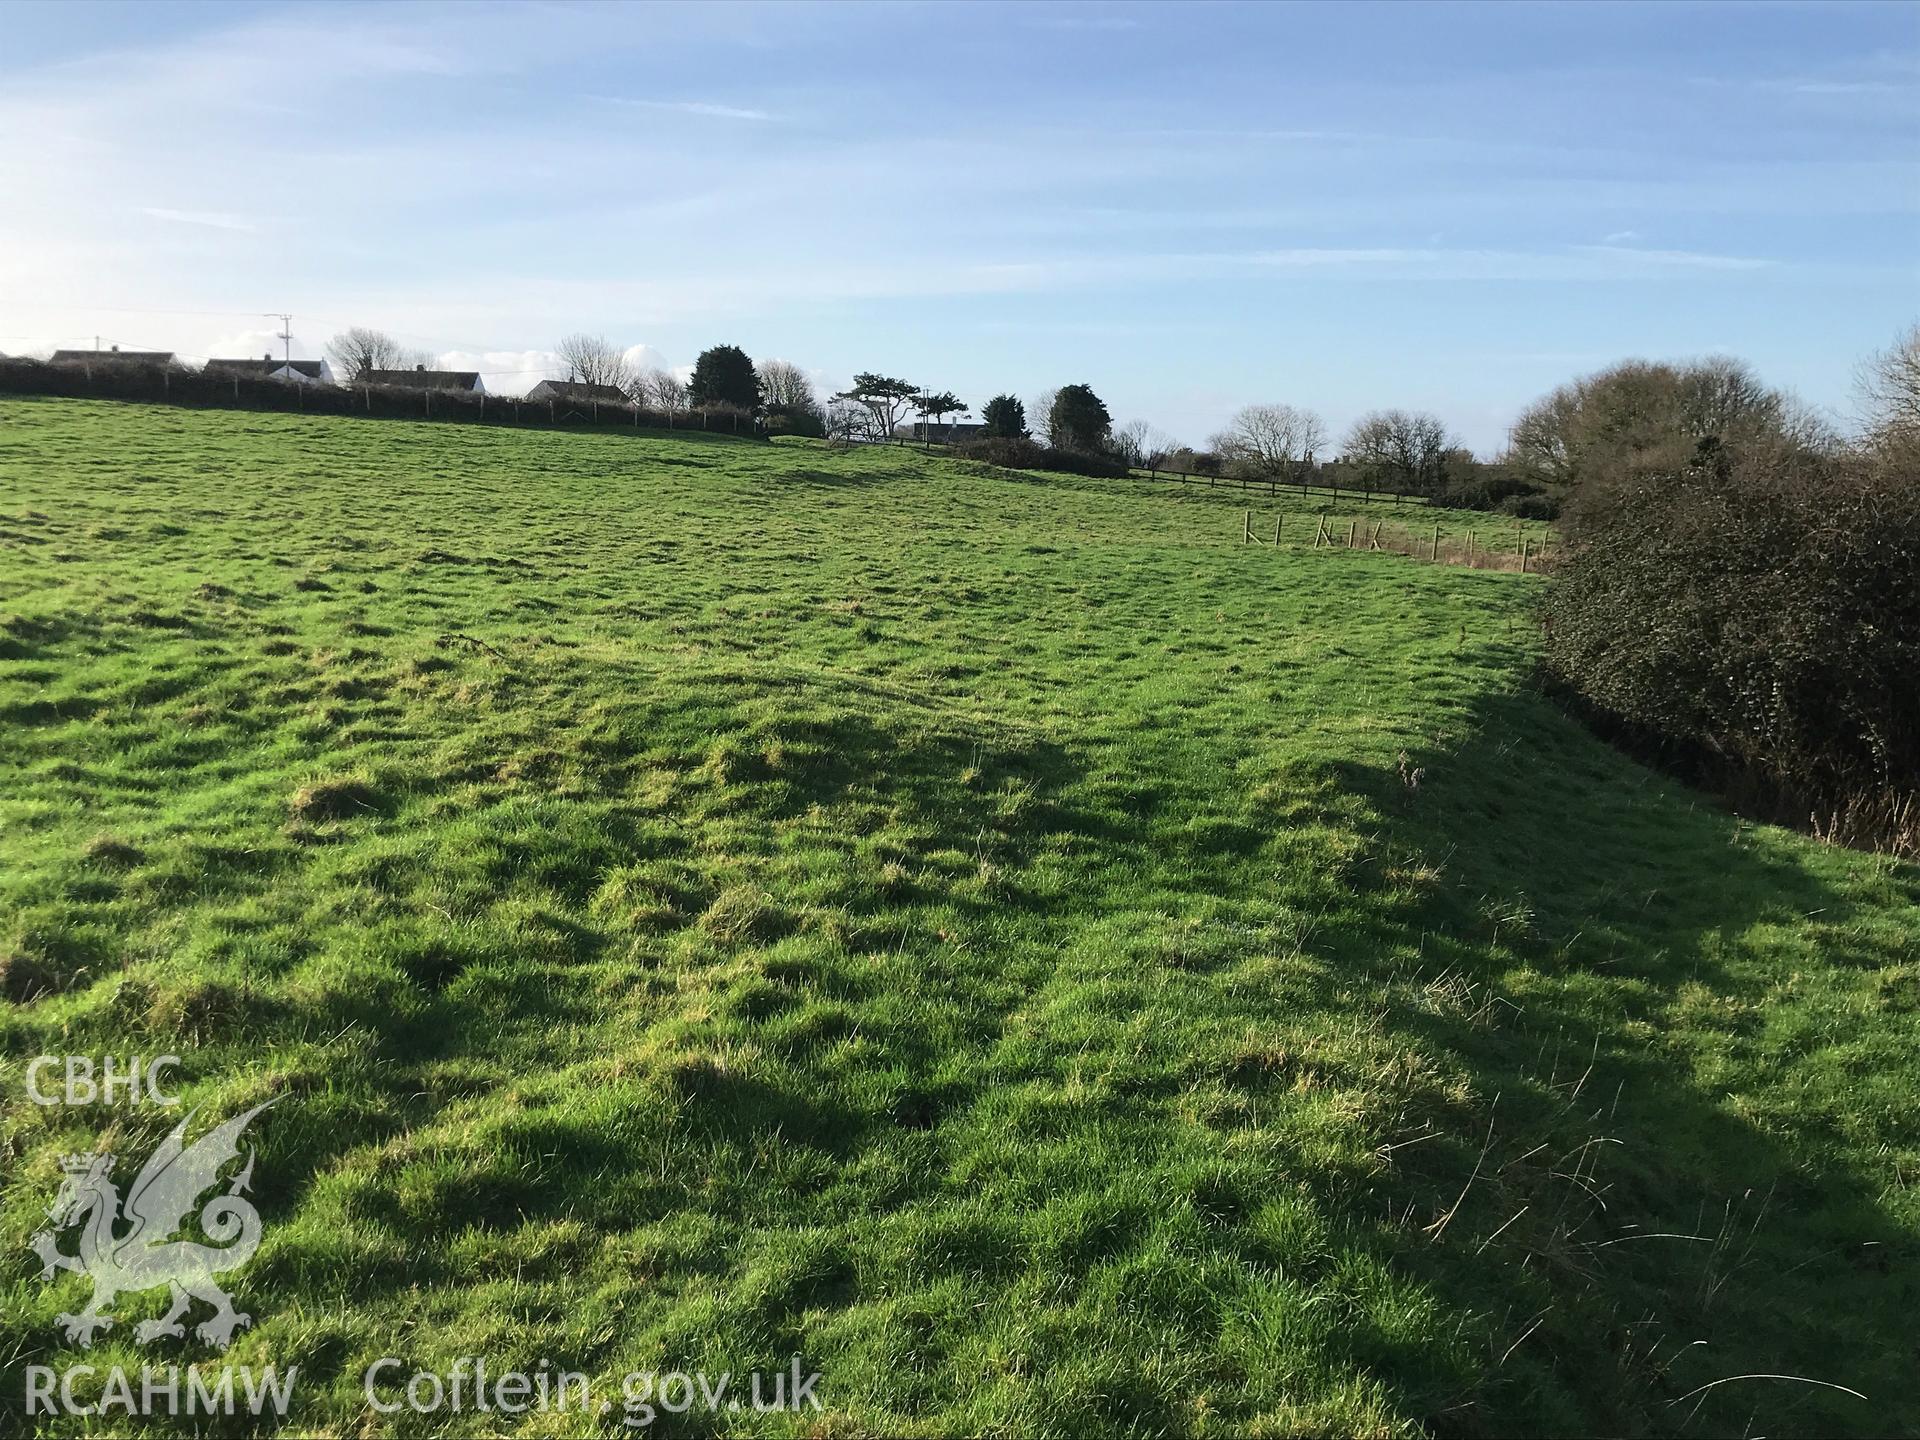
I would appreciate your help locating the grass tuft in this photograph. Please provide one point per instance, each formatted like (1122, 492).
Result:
(342, 797)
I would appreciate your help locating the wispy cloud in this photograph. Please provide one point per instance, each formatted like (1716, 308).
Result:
(1081, 22)
(1843, 87)
(1684, 259)
(1808, 84)
(1574, 262)
(693, 107)
(1621, 237)
(211, 219)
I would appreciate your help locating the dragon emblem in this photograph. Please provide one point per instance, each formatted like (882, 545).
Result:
(147, 1256)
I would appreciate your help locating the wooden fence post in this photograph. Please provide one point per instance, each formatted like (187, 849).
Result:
(1525, 545)
(1246, 532)
(1350, 525)
(1276, 530)
(1469, 549)
(1436, 542)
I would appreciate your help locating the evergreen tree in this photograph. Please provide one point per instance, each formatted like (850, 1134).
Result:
(1005, 418)
(1079, 420)
(724, 376)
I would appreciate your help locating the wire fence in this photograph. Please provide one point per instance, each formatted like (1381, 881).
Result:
(1276, 486)
(1528, 551)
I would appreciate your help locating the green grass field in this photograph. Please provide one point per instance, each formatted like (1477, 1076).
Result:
(1053, 968)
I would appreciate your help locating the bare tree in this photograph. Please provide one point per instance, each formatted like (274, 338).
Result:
(1888, 384)
(1401, 449)
(1649, 415)
(1130, 442)
(1270, 440)
(847, 421)
(784, 384)
(1040, 416)
(354, 352)
(1161, 449)
(593, 360)
(661, 390)
(1542, 443)
(1139, 444)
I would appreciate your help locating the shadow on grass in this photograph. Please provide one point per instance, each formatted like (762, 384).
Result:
(1594, 957)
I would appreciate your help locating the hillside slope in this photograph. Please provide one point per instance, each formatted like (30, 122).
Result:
(1055, 969)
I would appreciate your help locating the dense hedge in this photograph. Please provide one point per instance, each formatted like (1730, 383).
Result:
(1485, 488)
(214, 389)
(1757, 616)
(1535, 506)
(1026, 454)
(794, 420)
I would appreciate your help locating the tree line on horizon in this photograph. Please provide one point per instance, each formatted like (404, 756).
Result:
(1071, 428)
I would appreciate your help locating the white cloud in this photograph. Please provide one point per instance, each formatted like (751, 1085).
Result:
(1844, 87)
(1677, 259)
(253, 344)
(1621, 237)
(693, 107)
(644, 357)
(514, 372)
(1081, 22)
(1578, 262)
(506, 372)
(212, 219)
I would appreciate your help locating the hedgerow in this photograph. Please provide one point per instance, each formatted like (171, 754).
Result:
(1755, 616)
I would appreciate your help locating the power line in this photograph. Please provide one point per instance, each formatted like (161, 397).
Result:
(286, 334)
(122, 309)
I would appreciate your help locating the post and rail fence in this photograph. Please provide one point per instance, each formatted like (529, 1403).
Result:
(1529, 553)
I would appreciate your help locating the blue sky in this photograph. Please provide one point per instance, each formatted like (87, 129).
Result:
(1189, 207)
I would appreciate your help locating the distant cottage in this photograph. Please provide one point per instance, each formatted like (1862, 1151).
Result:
(298, 372)
(959, 430)
(114, 356)
(421, 378)
(573, 392)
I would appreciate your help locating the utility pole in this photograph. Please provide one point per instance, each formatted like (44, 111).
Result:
(285, 335)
